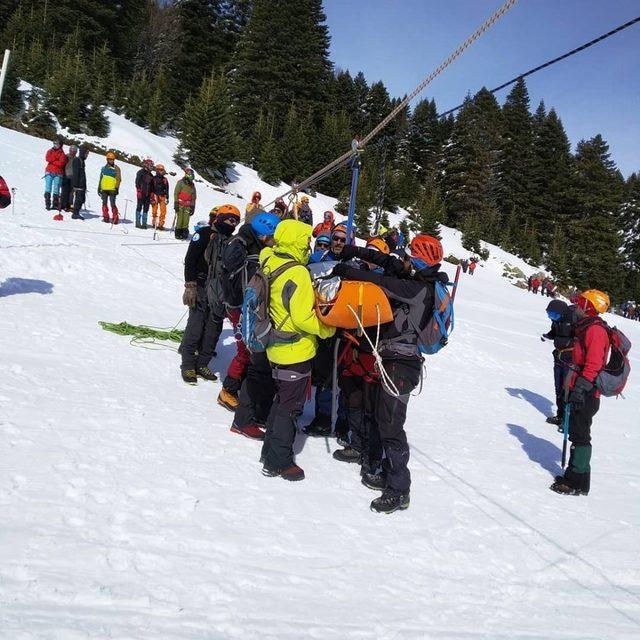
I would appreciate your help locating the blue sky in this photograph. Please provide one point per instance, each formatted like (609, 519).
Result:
(596, 91)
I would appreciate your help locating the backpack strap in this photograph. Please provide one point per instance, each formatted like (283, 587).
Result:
(271, 279)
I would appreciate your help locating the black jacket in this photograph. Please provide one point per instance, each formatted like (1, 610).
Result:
(144, 182)
(79, 174)
(195, 265)
(240, 262)
(409, 296)
(562, 331)
(160, 186)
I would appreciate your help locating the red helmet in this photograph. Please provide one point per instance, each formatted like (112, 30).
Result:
(426, 248)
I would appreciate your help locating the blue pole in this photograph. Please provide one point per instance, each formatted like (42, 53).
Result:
(355, 167)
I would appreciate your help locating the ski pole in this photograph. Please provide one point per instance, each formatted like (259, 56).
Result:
(565, 432)
(334, 388)
(126, 205)
(455, 284)
(13, 200)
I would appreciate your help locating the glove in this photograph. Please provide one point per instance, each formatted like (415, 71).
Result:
(190, 295)
(116, 192)
(100, 192)
(139, 194)
(340, 270)
(348, 252)
(580, 389)
(192, 210)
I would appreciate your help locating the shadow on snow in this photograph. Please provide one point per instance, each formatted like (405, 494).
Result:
(14, 286)
(542, 404)
(539, 450)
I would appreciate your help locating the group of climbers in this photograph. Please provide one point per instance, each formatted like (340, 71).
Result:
(267, 388)
(545, 285)
(66, 188)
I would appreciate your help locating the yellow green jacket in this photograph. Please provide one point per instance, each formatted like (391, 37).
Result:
(292, 239)
(109, 178)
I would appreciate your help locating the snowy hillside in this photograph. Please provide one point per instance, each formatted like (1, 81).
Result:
(130, 511)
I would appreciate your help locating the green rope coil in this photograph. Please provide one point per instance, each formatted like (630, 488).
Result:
(145, 336)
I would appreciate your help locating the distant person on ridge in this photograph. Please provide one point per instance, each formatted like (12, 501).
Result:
(144, 192)
(56, 161)
(160, 198)
(184, 203)
(472, 267)
(108, 188)
(589, 357)
(254, 207)
(325, 226)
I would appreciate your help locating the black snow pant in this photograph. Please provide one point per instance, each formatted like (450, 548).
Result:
(578, 472)
(292, 389)
(390, 416)
(358, 397)
(256, 393)
(560, 371)
(198, 344)
(79, 196)
(66, 194)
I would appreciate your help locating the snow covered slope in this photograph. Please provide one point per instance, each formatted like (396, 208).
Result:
(130, 511)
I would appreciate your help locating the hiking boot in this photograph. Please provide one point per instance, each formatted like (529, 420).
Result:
(206, 373)
(47, 201)
(390, 502)
(228, 400)
(348, 454)
(557, 420)
(106, 219)
(374, 481)
(138, 225)
(319, 427)
(189, 376)
(292, 473)
(77, 216)
(562, 487)
(252, 431)
(160, 228)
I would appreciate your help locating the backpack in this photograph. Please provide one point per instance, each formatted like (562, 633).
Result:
(612, 379)
(435, 334)
(213, 256)
(256, 326)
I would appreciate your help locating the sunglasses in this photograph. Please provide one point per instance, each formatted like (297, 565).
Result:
(340, 239)
(322, 245)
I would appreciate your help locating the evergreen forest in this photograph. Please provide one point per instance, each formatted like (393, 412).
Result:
(252, 81)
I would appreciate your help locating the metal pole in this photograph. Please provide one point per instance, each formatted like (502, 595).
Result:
(5, 67)
(355, 166)
(13, 200)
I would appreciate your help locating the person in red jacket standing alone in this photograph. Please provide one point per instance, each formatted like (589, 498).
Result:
(589, 357)
(56, 161)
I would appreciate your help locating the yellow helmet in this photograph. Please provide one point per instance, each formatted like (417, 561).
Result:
(304, 198)
(598, 299)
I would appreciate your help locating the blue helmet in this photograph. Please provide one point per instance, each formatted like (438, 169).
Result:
(264, 224)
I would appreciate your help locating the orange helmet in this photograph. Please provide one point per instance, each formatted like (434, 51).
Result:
(111, 155)
(228, 209)
(426, 248)
(339, 228)
(379, 245)
(598, 300)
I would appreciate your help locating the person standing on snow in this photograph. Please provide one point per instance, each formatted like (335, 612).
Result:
(472, 267)
(184, 203)
(258, 388)
(160, 188)
(464, 263)
(108, 187)
(412, 298)
(589, 357)
(79, 182)
(563, 319)
(204, 325)
(254, 207)
(144, 192)
(66, 194)
(292, 309)
(56, 161)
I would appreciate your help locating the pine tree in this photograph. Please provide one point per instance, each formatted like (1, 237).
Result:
(516, 188)
(282, 57)
(207, 134)
(37, 120)
(551, 174)
(593, 237)
(428, 212)
(269, 168)
(294, 146)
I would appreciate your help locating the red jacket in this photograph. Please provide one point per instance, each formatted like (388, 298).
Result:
(56, 161)
(590, 349)
(472, 266)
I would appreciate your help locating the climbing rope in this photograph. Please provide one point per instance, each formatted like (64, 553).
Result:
(604, 36)
(145, 336)
(358, 145)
